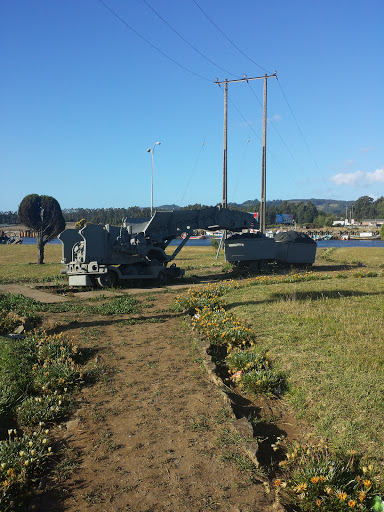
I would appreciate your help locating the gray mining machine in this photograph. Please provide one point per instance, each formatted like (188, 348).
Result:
(102, 255)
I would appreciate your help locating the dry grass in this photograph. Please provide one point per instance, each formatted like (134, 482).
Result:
(371, 257)
(18, 263)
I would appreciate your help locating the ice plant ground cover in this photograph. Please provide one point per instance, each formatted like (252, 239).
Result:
(317, 478)
(223, 329)
(23, 460)
(37, 374)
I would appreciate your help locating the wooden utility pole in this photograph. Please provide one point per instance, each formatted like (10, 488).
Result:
(225, 187)
(263, 162)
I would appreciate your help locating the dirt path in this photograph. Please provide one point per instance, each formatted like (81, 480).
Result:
(152, 436)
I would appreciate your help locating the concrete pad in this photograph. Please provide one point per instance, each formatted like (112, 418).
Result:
(31, 293)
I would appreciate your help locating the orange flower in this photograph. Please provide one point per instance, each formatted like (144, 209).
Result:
(315, 479)
(362, 496)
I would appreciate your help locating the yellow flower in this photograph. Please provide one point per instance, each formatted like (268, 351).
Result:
(318, 502)
(301, 487)
(342, 496)
(367, 484)
(352, 503)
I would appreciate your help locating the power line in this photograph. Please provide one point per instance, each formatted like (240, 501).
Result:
(227, 38)
(193, 172)
(187, 42)
(247, 122)
(297, 124)
(152, 45)
(274, 127)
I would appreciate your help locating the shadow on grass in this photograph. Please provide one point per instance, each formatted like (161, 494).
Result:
(321, 295)
(304, 296)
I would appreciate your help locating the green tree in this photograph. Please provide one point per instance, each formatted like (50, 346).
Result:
(364, 208)
(380, 207)
(42, 214)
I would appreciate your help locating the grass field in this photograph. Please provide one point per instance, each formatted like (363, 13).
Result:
(18, 263)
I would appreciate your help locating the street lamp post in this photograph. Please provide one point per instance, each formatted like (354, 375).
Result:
(151, 150)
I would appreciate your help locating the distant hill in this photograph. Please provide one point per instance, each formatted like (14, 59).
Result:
(331, 206)
(327, 205)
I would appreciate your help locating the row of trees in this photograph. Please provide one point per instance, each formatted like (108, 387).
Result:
(9, 218)
(303, 213)
(112, 216)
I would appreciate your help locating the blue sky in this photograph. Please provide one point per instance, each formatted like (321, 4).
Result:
(88, 85)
